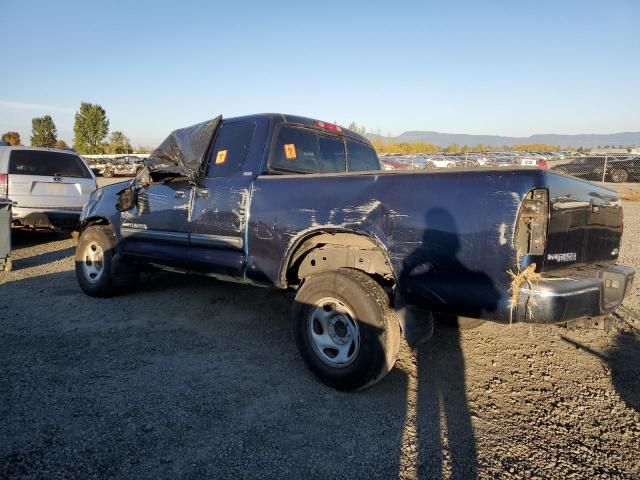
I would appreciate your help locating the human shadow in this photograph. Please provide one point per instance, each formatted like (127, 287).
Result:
(434, 277)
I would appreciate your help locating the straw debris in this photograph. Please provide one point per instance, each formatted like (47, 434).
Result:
(528, 276)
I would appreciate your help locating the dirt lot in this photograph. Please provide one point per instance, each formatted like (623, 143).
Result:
(193, 378)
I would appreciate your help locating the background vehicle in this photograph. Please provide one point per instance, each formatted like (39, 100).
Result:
(368, 252)
(96, 165)
(618, 169)
(583, 167)
(48, 187)
(128, 166)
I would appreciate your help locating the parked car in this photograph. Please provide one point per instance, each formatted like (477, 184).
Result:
(620, 170)
(97, 165)
(533, 162)
(302, 205)
(48, 187)
(503, 161)
(128, 166)
(440, 162)
(587, 168)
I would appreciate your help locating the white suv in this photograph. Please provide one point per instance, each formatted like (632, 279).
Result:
(48, 187)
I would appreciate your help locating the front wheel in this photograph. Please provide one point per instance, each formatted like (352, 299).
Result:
(99, 270)
(345, 329)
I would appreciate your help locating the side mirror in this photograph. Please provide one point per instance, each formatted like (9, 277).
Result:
(127, 199)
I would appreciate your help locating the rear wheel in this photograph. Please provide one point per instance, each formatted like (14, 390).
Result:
(619, 175)
(99, 270)
(345, 329)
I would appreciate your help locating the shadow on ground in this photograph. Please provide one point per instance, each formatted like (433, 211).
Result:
(23, 238)
(623, 359)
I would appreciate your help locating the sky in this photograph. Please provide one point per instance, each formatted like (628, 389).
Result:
(512, 68)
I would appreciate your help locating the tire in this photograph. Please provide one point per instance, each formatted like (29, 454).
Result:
(459, 323)
(618, 175)
(358, 320)
(99, 270)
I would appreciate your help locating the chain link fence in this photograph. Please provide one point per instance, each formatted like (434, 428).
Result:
(602, 168)
(595, 168)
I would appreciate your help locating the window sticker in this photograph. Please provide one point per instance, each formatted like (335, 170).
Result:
(290, 151)
(221, 157)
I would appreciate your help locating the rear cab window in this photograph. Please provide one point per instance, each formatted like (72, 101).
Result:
(362, 157)
(304, 150)
(47, 164)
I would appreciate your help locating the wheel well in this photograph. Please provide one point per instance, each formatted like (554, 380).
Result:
(94, 221)
(330, 251)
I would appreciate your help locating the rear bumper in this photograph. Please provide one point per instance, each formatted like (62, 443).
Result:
(592, 294)
(36, 218)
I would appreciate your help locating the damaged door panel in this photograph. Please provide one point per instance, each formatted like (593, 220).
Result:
(157, 227)
(220, 206)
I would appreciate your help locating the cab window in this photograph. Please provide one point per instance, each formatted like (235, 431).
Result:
(333, 158)
(295, 151)
(230, 149)
(362, 157)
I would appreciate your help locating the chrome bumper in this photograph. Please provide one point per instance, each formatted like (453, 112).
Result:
(557, 300)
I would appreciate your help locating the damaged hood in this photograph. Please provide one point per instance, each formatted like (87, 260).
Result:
(182, 153)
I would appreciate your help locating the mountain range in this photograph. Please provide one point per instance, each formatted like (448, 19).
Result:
(626, 139)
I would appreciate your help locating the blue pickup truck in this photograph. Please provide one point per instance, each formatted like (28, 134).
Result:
(299, 204)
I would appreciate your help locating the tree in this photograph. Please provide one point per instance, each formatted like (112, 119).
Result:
(453, 148)
(43, 132)
(353, 126)
(12, 138)
(119, 143)
(90, 128)
(61, 144)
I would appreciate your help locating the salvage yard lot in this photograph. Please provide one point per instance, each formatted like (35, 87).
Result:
(189, 377)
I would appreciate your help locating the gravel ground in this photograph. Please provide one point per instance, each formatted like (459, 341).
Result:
(193, 378)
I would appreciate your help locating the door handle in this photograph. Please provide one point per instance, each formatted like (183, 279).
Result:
(179, 194)
(203, 193)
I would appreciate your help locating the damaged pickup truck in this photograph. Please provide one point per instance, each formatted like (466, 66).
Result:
(302, 205)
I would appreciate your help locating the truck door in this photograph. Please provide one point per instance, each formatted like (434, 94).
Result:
(158, 227)
(220, 206)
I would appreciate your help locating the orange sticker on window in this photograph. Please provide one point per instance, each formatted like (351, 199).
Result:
(290, 151)
(221, 157)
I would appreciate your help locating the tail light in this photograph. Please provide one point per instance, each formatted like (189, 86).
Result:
(4, 184)
(531, 229)
(543, 164)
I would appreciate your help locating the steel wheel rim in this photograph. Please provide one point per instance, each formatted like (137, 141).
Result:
(93, 262)
(334, 333)
(618, 176)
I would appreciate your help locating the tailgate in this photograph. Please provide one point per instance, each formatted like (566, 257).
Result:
(585, 223)
(31, 191)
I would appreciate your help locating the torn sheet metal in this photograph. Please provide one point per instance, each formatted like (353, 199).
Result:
(182, 153)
